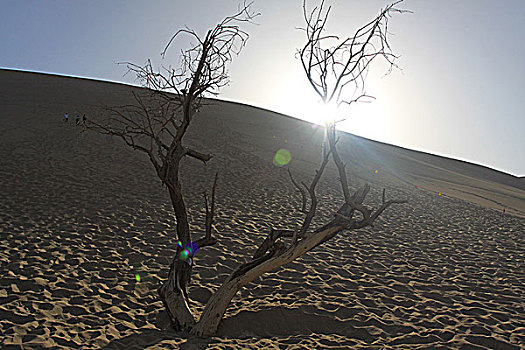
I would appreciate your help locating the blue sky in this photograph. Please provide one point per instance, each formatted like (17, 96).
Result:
(459, 94)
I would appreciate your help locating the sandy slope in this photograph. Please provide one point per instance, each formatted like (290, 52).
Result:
(81, 216)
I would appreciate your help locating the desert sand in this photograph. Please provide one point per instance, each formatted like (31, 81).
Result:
(81, 216)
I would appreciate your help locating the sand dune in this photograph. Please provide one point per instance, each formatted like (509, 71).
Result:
(81, 216)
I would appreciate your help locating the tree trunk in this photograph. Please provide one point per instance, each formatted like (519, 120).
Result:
(219, 301)
(177, 201)
(173, 291)
(215, 308)
(174, 296)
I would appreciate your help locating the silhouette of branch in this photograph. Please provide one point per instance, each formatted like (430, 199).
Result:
(208, 240)
(331, 63)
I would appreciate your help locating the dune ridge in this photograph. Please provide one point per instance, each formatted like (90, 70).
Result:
(81, 216)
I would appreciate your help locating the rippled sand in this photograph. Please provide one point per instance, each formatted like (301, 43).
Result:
(81, 216)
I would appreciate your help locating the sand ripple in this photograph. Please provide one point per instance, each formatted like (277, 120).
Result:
(81, 219)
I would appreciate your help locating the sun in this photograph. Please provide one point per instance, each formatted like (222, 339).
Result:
(364, 119)
(324, 113)
(317, 112)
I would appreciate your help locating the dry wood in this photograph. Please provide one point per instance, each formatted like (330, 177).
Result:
(155, 124)
(328, 74)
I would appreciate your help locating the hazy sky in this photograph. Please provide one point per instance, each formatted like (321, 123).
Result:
(460, 93)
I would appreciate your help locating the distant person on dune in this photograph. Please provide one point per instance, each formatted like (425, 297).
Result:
(66, 117)
(78, 119)
(84, 119)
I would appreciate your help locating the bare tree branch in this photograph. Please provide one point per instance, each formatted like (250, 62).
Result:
(302, 191)
(198, 155)
(210, 213)
(331, 63)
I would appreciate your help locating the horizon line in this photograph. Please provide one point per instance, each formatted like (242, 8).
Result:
(249, 104)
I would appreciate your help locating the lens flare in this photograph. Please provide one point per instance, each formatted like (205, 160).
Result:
(184, 254)
(194, 248)
(189, 250)
(282, 157)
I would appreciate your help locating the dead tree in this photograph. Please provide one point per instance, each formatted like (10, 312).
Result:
(157, 120)
(158, 132)
(329, 71)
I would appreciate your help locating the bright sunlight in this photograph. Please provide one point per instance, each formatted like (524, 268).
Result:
(363, 119)
(295, 97)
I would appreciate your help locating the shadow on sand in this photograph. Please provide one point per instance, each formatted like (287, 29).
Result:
(278, 321)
